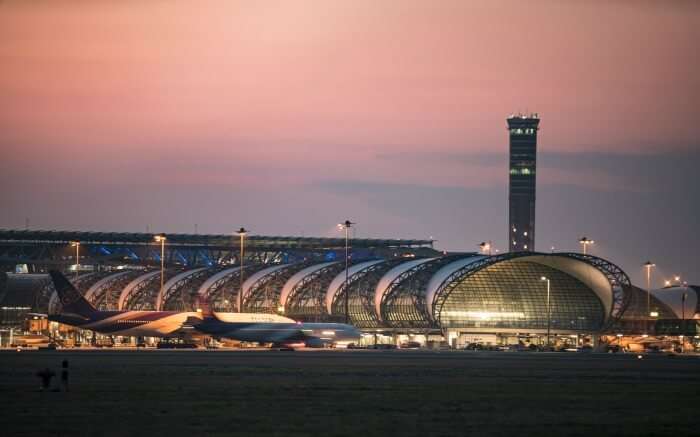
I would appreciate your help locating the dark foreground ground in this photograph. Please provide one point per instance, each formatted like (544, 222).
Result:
(350, 393)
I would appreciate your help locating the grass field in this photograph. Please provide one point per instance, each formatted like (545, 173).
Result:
(350, 393)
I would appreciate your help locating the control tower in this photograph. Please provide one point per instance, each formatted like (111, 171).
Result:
(522, 182)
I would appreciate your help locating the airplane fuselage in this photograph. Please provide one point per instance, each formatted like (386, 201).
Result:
(129, 323)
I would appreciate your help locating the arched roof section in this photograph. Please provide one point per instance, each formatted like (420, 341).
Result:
(441, 275)
(605, 279)
(257, 276)
(673, 298)
(131, 286)
(339, 280)
(165, 292)
(298, 277)
(585, 272)
(213, 279)
(90, 293)
(390, 277)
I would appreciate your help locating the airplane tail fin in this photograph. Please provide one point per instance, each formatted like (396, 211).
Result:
(71, 299)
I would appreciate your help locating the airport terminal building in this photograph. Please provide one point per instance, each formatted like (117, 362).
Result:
(457, 297)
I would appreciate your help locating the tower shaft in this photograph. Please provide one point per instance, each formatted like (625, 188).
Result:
(522, 181)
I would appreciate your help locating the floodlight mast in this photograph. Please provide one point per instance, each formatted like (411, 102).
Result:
(242, 232)
(346, 225)
(549, 312)
(160, 238)
(648, 265)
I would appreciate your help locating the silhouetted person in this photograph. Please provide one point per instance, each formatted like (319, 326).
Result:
(64, 375)
(45, 376)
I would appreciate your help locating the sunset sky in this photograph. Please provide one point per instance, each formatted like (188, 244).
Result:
(289, 116)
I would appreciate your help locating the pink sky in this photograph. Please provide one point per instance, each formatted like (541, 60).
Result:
(105, 96)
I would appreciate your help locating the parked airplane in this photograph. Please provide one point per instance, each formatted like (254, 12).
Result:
(252, 327)
(80, 313)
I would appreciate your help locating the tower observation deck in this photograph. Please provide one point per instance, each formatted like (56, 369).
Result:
(522, 182)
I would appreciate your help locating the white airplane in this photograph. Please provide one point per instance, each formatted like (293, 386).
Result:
(252, 327)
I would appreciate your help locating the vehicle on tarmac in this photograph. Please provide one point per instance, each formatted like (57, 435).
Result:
(382, 346)
(410, 345)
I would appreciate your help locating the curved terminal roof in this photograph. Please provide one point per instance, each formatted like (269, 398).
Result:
(339, 280)
(127, 290)
(673, 298)
(442, 275)
(389, 277)
(107, 279)
(172, 281)
(206, 285)
(592, 277)
(297, 277)
(412, 288)
(255, 277)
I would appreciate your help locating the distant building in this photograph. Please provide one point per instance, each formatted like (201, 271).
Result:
(522, 182)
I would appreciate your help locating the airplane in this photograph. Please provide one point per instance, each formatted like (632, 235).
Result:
(278, 330)
(80, 313)
(250, 327)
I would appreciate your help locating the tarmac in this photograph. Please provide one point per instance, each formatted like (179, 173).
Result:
(349, 393)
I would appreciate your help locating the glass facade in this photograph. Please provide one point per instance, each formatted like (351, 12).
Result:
(307, 301)
(512, 295)
(363, 285)
(466, 291)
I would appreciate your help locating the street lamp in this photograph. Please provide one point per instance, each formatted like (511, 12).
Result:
(684, 297)
(347, 225)
(648, 265)
(549, 312)
(160, 238)
(242, 232)
(486, 247)
(585, 242)
(76, 244)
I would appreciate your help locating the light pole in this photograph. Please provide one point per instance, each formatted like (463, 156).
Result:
(486, 247)
(76, 244)
(347, 225)
(684, 297)
(585, 242)
(241, 233)
(648, 265)
(549, 312)
(160, 238)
